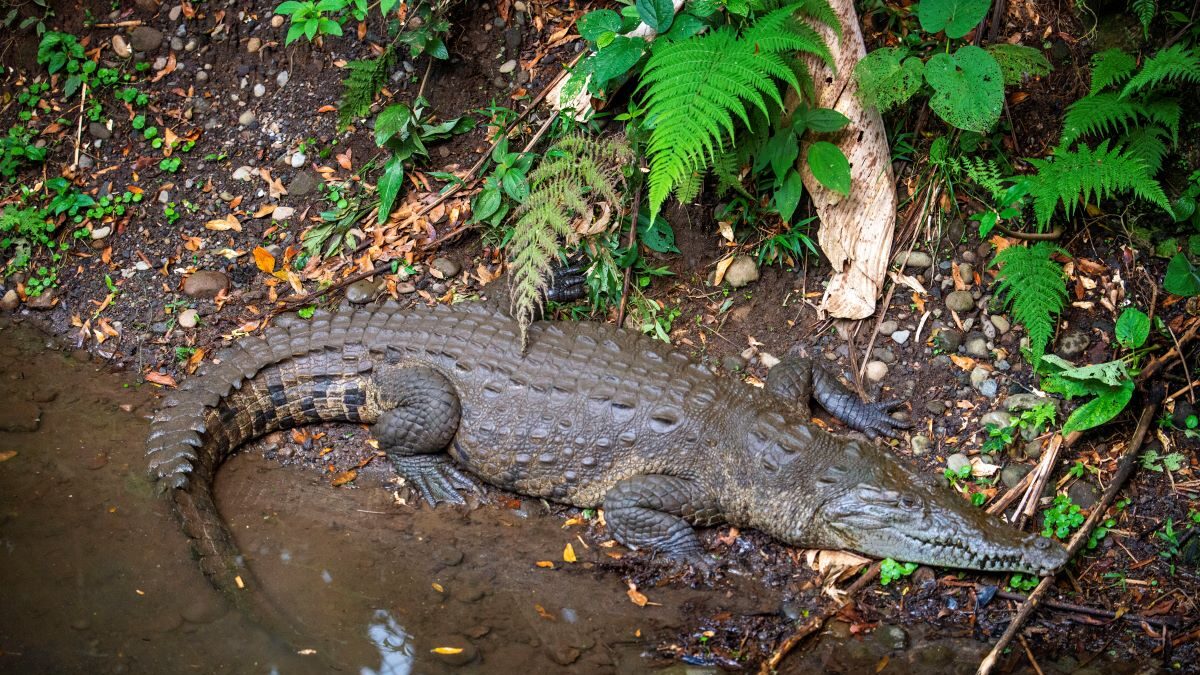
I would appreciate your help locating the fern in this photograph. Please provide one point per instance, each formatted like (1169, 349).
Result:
(983, 172)
(1144, 10)
(1146, 144)
(363, 81)
(1176, 63)
(1100, 113)
(695, 90)
(1032, 284)
(576, 173)
(1085, 172)
(1110, 67)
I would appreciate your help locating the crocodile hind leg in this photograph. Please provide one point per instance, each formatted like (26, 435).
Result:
(420, 416)
(799, 380)
(657, 512)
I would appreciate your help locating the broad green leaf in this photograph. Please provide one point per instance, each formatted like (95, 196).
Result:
(386, 6)
(829, 166)
(825, 120)
(658, 235)
(391, 122)
(615, 60)
(968, 88)
(288, 8)
(1018, 62)
(389, 187)
(683, 27)
(330, 27)
(516, 186)
(787, 196)
(594, 24)
(1111, 373)
(331, 5)
(486, 203)
(886, 78)
(956, 17)
(1101, 409)
(658, 14)
(1133, 327)
(1183, 278)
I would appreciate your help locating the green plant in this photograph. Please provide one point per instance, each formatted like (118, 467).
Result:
(37, 20)
(17, 149)
(309, 18)
(1034, 286)
(1170, 539)
(347, 209)
(1061, 518)
(62, 52)
(170, 164)
(508, 178)
(1021, 582)
(401, 129)
(22, 229)
(170, 213)
(182, 354)
(1152, 460)
(890, 570)
(364, 79)
(965, 86)
(576, 174)
(1033, 420)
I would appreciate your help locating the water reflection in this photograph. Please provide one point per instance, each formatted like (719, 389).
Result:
(390, 638)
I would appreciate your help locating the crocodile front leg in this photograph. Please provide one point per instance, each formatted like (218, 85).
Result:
(799, 380)
(657, 512)
(420, 418)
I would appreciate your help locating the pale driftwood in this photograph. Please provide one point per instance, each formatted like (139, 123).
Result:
(856, 231)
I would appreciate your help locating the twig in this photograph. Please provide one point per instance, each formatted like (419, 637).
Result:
(79, 126)
(1056, 233)
(425, 78)
(1155, 365)
(1034, 494)
(634, 212)
(1183, 362)
(815, 622)
(1029, 655)
(1184, 390)
(1170, 621)
(119, 24)
(1128, 462)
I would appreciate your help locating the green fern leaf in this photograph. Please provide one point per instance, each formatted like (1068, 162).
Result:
(1144, 10)
(1033, 284)
(1166, 112)
(1086, 173)
(1110, 67)
(1098, 114)
(363, 81)
(1148, 145)
(576, 173)
(1176, 63)
(697, 91)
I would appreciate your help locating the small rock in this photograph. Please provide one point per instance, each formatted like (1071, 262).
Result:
(508, 66)
(891, 637)
(960, 301)
(297, 160)
(159, 63)
(205, 284)
(989, 388)
(901, 336)
(145, 39)
(1072, 344)
(281, 79)
(361, 292)
(876, 370)
(916, 259)
(1002, 324)
(277, 21)
(100, 131)
(1012, 474)
(243, 173)
(174, 13)
(283, 212)
(998, 418)
(949, 340)
(303, 183)
(1032, 449)
(733, 363)
(247, 118)
(189, 318)
(919, 444)
(967, 272)
(957, 462)
(884, 354)
(177, 44)
(10, 301)
(978, 375)
(260, 90)
(43, 301)
(201, 76)
(1024, 401)
(936, 407)
(446, 267)
(977, 347)
(564, 655)
(888, 327)
(101, 232)
(519, 6)
(253, 45)
(1083, 493)
(742, 271)
(121, 47)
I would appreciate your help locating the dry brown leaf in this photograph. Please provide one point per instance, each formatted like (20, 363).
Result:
(194, 360)
(438, 587)
(543, 613)
(343, 160)
(964, 362)
(264, 210)
(637, 597)
(167, 69)
(6, 455)
(548, 564)
(274, 185)
(722, 267)
(327, 109)
(569, 553)
(344, 477)
(229, 222)
(163, 379)
(264, 260)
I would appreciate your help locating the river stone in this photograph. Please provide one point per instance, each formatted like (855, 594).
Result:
(891, 637)
(901, 336)
(884, 354)
(361, 292)
(949, 340)
(43, 301)
(919, 444)
(957, 462)
(1083, 493)
(121, 47)
(446, 267)
(100, 131)
(145, 39)
(205, 284)
(977, 347)
(997, 417)
(978, 375)
(1025, 401)
(253, 45)
(1032, 449)
(508, 66)
(20, 417)
(1072, 344)
(960, 301)
(10, 301)
(564, 655)
(247, 118)
(876, 370)
(742, 271)
(1001, 323)
(936, 407)
(888, 327)
(302, 183)
(733, 363)
(916, 259)
(189, 318)
(1012, 474)
(966, 271)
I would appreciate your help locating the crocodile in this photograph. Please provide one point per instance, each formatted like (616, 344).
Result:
(589, 415)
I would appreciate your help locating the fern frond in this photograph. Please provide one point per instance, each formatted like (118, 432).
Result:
(1144, 10)
(697, 91)
(1110, 67)
(363, 81)
(1098, 114)
(576, 173)
(1033, 284)
(984, 172)
(1084, 173)
(689, 188)
(1177, 63)
(1166, 112)
(1147, 144)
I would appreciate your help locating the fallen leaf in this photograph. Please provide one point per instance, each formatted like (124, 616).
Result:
(721, 268)
(156, 377)
(344, 477)
(543, 613)
(327, 109)
(447, 650)
(548, 564)
(229, 222)
(6, 455)
(964, 362)
(343, 160)
(264, 260)
(264, 210)
(569, 553)
(274, 185)
(635, 596)
(438, 587)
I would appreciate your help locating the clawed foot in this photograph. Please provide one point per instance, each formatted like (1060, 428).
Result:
(873, 420)
(435, 477)
(567, 284)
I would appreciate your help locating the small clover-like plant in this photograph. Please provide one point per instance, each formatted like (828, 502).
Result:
(890, 570)
(1061, 518)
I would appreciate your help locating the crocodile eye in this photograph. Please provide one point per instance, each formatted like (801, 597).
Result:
(909, 502)
(1041, 543)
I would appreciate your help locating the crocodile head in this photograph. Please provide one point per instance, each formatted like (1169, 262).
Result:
(863, 499)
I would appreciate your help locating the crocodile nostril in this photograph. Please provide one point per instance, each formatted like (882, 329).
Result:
(1041, 543)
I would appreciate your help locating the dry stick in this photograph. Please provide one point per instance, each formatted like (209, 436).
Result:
(633, 223)
(1000, 505)
(1045, 468)
(1029, 654)
(79, 126)
(1127, 464)
(1169, 621)
(815, 622)
(1155, 365)
(119, 24)
(1182, 361)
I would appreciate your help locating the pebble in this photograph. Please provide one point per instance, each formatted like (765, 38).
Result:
(967, 272)
(121, 47)
(201, 76)
(989, 388)
(1025, 401)
(276, 21)
(949, 340)
(243, 173)
(10, 301)
(302, 183)
(260, 90)
(519, 6)
(884, 354)
(406, 287)
(253, 45)
(101, 232)
(979, 375)
(189, 318)
(174, 13)
(86, 162)
(446, 267)
(247, 118)
(957, 462)
(977, 347)
(891, 637)
(283, 212)
(1002, 324)
(917, 259)
(298, 160)
(888, 327)
(733, 363)
(960, 301)
(145, 39)
(177, 44)
(282, 78)
(205, 284)
(100, 131)
(1072, 344)
(997, 417)
(936, 407)
(742, 271)
(1083, 493)
(1032, 449)
(159, 63)
(876, 370)
(508, 66)
(1012, 474)
(919, 444)
(901, 336)
(361, 292)
(43, 301)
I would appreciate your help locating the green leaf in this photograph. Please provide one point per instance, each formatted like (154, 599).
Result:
(389, 187)
(1133, 327)
(829, 166)
(968, 88)
(289, 8)
(1101, 409)
(658, 14)
(392, 121)
(1109, 373)
(330, 27)
(1018, 62)
(1182, 277)
(486, 203)
(787, 196)
(683, 27)
(956, 17)
(615, 60)
(886, 78)
(594, 24)
(516, 186)
(658, 235)
(386, 6)
(825, 120)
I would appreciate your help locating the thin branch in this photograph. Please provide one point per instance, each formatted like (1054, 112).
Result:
(79, 125)
(632, 241)
(1169, 621)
